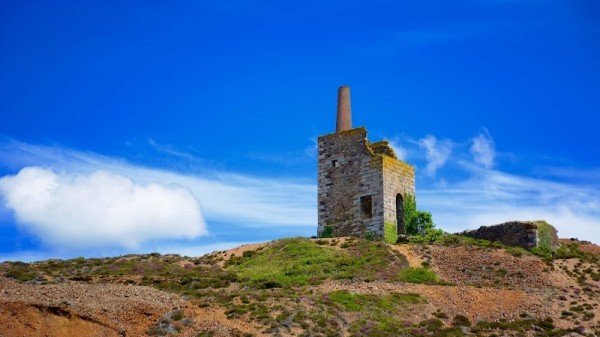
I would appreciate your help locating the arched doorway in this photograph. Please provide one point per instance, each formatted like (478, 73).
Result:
(400, 213)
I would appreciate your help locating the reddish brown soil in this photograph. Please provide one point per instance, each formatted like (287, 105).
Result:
(488, 267)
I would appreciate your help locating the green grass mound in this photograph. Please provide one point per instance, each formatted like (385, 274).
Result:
(299, 261)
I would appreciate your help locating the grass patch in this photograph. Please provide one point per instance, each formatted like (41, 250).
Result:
(517, 251)
(289, 262)
(300, 261)
(418, 275)
(361, 302)
(20, 271)
(166, 272)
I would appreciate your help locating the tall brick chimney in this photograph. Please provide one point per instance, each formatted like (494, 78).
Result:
(344, 113)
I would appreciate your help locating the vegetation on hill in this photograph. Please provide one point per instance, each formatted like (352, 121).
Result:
(305, 287)
(298, 261)
(416, 222)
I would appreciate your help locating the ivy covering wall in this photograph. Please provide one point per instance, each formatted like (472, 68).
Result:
(390, 232)
(546, 235)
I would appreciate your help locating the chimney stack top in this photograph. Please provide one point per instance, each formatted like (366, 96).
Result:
(344, 113)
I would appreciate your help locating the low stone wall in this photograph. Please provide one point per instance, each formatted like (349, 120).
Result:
(525, 234)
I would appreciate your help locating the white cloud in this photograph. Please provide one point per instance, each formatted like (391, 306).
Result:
(99, 209)
(437, 153)
(482, 149)
(241, 200)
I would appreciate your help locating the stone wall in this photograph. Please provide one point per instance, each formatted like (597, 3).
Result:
(345, 175)
(350, 169)
(525, 234)
(398, 179)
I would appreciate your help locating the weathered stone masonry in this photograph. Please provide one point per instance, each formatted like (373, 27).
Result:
(361, 184)
(525, 234)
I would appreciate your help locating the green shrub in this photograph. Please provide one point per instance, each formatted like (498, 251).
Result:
(516, 251)
(177, 315)
(568, 251)
(417, 275)
(451, 239)
(431, 235)
(370, 236)
(415, 222)
(440, 315)
(432, 324)
(327, 232)
(460, 320)
(21, 275)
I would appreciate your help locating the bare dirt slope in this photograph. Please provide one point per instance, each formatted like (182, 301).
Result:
(78, 309)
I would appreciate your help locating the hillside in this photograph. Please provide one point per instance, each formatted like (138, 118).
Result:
(311, 287)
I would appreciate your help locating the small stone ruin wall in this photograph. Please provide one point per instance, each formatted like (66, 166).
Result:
(524, 234)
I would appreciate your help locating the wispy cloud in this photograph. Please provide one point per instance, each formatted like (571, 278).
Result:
(400, 151)
(437, 152)
(589, 176)
(483, 149)
(171, 150)
(473, 192)
(312, 150)
(95, 196)
(489, 197)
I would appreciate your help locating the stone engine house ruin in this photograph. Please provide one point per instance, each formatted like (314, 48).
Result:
(362, 185)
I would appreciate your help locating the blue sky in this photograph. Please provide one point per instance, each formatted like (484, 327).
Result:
(191, 126)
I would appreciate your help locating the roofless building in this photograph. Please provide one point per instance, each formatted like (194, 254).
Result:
(362, 185)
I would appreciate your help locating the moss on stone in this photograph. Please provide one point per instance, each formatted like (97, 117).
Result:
(399, 165)
(383, 147)
(347, 133)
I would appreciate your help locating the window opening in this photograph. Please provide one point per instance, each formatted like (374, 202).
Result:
(366, 206)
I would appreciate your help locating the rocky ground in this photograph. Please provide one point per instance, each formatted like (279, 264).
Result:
(497, 291)
(81, 309)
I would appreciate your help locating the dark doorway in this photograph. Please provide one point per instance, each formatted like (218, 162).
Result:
(400, 213)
